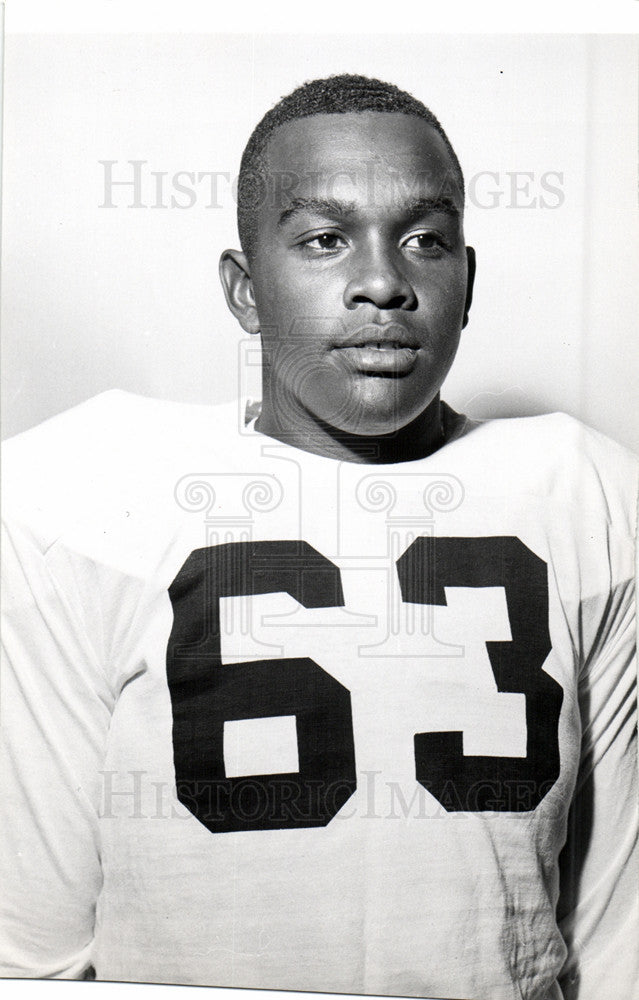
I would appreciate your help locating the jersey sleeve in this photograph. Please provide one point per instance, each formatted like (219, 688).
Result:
(599, 904)
(67, 617)
(56, 707)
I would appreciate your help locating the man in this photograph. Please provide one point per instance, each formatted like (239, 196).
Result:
(305, 704)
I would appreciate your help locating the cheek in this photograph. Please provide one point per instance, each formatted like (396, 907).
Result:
(439, 356)
(299, 335)
(284, 308)
(443, 304)
(288, 293)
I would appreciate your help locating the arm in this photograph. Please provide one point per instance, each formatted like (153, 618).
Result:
(56, 708)
(598, 906)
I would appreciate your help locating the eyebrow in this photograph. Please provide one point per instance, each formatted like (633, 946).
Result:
(333, 208)
(320, 206)
(424, 206)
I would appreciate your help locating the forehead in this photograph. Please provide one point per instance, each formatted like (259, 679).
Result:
(362, 150)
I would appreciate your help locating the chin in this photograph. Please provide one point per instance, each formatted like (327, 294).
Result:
(377, 424)
(378, 410)
(378, 430)
(378, 420)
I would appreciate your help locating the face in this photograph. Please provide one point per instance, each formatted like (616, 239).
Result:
(359, 280)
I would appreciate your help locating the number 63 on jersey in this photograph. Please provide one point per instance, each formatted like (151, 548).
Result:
(206, 693)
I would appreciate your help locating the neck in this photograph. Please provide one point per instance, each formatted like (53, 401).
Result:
(421, 437)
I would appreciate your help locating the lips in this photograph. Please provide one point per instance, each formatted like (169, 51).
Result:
(379, 350)
(379, 345)
(376, 334)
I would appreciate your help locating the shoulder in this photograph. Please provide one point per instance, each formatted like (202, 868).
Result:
(115, 418)
(112, 449)
(557, 457)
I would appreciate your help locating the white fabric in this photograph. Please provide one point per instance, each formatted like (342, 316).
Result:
(103, 865)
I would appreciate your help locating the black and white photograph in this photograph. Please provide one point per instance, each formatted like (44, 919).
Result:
(320, 420)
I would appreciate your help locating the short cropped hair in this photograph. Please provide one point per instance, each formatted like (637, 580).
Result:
(333, 95)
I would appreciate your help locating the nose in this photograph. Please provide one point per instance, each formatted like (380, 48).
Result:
(379, 279)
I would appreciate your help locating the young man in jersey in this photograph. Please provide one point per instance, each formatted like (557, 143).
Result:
(306, 704)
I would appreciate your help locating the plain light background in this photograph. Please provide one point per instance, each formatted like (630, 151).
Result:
(96, 298)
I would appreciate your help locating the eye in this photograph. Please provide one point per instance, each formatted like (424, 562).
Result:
(324, 242)
(427, 241)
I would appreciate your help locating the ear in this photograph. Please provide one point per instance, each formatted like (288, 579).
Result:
(235, 275)
(472, 266)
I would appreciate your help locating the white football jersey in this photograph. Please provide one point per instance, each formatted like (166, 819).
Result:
(274, 720)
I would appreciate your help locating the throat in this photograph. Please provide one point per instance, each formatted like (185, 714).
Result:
(421, 437)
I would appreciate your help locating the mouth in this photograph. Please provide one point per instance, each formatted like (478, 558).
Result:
(379, 351)
(378, 345)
